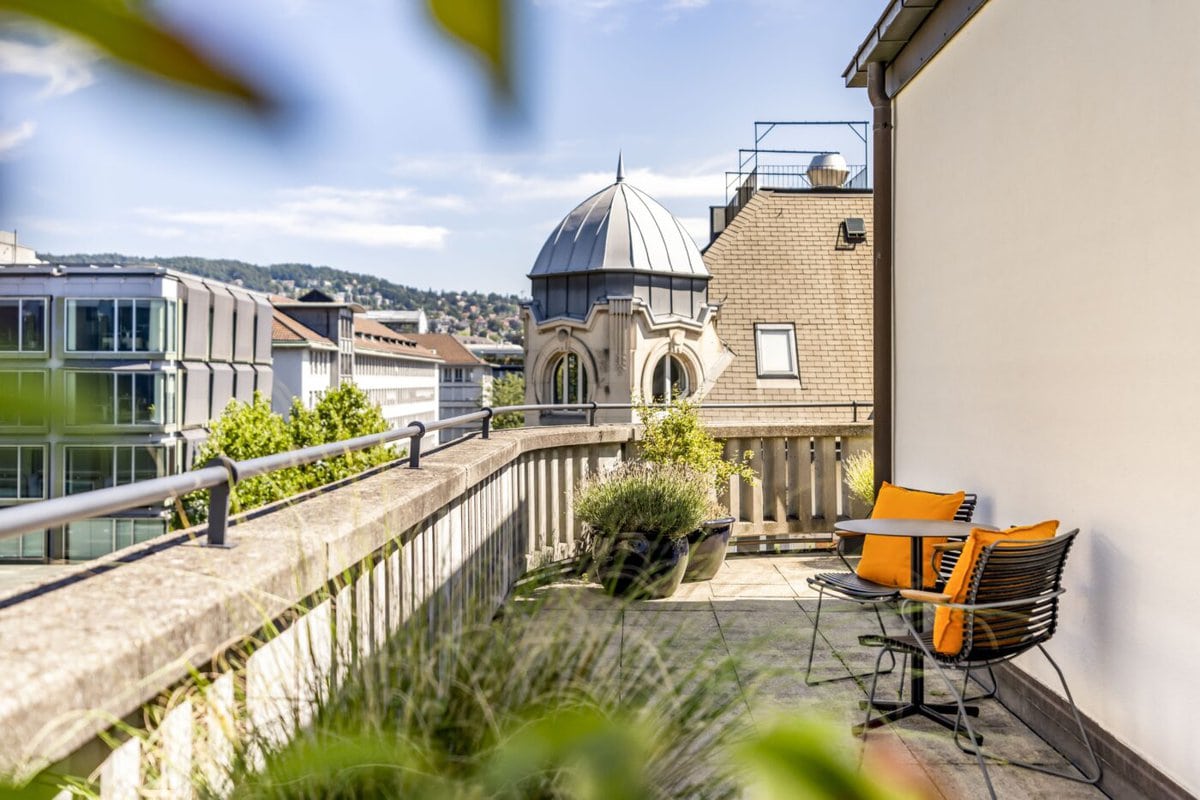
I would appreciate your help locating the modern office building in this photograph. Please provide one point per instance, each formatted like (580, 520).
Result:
(466, 383)
(109, 375)
(402, 320)
(505, 357)
(319, 343)
(11, 252)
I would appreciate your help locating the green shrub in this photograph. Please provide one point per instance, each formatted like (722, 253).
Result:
(508, 391)
(244, 431)
(251, 430)
(341, 413)
(540, 705)
(676, 435)
(661, 500)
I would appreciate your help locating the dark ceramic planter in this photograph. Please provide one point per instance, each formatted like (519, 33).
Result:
(707, 546)
(635, 565)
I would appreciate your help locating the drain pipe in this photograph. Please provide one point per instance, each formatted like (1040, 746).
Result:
(881, 104)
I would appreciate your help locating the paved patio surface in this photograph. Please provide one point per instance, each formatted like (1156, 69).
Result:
(760, 610)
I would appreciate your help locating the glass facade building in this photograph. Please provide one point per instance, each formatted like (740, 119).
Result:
(110, 375)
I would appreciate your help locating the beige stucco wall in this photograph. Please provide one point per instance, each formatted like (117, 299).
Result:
(1047, 298)
(620, 348)
(782, 259)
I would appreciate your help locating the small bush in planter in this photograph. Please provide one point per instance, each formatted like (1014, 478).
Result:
(639, 515)
(675, 435)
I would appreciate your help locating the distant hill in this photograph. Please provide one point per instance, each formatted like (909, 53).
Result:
(496, 316)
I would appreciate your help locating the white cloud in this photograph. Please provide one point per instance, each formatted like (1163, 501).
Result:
(657, 184)
(697, 227)
(327, 213)
(15, 137)
(614, 15)
(160, 232)
(63, 65)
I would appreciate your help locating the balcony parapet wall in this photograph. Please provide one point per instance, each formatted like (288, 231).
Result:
(344, 568)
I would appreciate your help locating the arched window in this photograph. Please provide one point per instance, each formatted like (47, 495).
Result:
(670, 380)
(568, 380)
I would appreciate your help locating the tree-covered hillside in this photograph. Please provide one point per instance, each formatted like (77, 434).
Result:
(489, 314)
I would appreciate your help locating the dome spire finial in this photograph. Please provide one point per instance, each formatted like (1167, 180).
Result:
(620, 167)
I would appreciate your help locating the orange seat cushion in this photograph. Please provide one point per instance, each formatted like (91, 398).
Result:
(948, 622)
(885, 559)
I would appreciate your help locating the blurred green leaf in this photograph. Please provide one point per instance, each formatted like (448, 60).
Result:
(132, 37)
(600, 758)
(807, 759)
(481, 25)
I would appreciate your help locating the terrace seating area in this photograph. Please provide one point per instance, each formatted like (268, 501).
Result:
(460, 532)
(760, 610)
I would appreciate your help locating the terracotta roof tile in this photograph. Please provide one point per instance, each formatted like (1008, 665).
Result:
(372, 335)
(286, 329)
(446, 346)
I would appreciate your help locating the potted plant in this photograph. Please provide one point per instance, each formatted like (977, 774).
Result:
(859, 473)
(639, 516)
(675, 435)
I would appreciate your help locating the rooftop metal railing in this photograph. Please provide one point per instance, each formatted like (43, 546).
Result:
(220, 475)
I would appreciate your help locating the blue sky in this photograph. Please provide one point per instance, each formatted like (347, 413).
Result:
(393, 160)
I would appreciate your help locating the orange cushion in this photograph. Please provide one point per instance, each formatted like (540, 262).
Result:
(948, 622)
(885, 559)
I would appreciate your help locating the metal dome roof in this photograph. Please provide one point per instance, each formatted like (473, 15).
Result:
(620, 228)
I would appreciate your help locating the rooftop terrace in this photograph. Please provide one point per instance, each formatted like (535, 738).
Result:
(216, 646)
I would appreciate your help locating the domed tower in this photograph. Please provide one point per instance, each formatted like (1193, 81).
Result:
(620, 308)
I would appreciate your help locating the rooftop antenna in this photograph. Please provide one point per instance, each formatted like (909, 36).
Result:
(620, 167)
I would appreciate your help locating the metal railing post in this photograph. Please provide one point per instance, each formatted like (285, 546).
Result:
(592, 414)
(486, 428)
(219, 498)
(414, 445)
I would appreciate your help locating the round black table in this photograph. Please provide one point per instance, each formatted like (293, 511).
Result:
(915, 530)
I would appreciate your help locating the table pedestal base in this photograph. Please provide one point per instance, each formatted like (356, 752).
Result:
(893, 711)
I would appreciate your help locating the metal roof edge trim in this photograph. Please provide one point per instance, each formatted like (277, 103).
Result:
(904, 24)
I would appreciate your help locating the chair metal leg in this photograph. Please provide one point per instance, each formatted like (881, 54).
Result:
(1093, 773)
(988, 693)
(963, 718)
(870, 704)
(812, 646)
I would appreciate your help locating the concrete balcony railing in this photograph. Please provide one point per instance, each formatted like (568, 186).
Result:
(236, 643)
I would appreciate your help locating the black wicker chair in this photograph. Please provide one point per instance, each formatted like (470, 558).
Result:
(848, 586)
(1011, 607)
(945, 556)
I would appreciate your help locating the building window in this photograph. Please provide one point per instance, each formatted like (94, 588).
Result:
(775, 350)
(22, 325)
(30, 547)
(91, 467)
(23, 472)
(23, 399)
(121, 326)
(568, 380)
(670, 380)
(93, 538)
(120, 398)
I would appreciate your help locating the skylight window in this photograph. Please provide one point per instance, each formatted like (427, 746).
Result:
(775, 350)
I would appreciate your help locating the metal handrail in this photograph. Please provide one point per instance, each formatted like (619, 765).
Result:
(220, 475)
